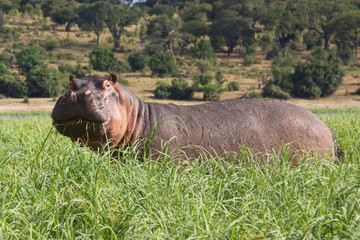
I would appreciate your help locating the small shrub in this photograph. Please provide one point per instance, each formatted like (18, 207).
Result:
(51, 44)
(249, 60)
(76, 70)
(122, 66)
(138, 61)
(163, 64)
(103, 59)
(233, 86)
(61, 55)
(273, 91)
(251, 94)
(209, 86)
(162, 90)
(26, 100)
(179, 89)
(11, 86)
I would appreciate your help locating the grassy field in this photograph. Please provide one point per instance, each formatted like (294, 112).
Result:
(53, 189)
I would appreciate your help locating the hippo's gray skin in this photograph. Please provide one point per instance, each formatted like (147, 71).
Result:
(96, 109)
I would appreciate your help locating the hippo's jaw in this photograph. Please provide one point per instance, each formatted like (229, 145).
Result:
(80, 128)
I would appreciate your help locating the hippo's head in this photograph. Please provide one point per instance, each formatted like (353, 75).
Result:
(92, 110)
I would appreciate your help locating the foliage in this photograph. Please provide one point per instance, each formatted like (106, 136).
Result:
(163, 64)
(162, 30)
(209, 86)
(103, 59)
(50, 44)
(28, 58)
(92, 18)
(11, 86)
(138, 61)
(274, 91)
(320, 76)
(179, 89)
(118, 16)
(3, 69)
(250, 60)
(312, 39)
(43, 81)
(61, 12)
(76, 70)
(203, 50)
(233, 86)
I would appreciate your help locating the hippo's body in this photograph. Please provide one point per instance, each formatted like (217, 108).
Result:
(96, 109)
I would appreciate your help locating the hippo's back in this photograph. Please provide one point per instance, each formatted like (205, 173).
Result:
(262, 125)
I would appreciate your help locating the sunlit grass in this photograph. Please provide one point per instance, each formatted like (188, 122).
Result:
(54, 189)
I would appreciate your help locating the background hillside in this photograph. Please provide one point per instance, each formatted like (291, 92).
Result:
(302, 50)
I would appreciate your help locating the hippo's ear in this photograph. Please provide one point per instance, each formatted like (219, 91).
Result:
(113, 78)
(71, 78)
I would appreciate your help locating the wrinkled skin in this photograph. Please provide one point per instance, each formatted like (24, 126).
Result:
(95, 110)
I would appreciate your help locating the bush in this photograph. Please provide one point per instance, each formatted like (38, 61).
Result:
(251, 94)
(203, 50)
(76, 70)
(103, 59)
(122, 66)
(249, 60)
(233, 86)
(51, 44)
(138, 61)
(3, 69)
(209, 86)
(204, 66)
(320, 76)
(42, 81)
(7, 57)
(273, 91)
(179, 89)
(346, 54)
(11, 86)
(162, 90)
(28, 58)
(163, 64)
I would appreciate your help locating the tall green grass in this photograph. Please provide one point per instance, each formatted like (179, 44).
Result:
(54, 189)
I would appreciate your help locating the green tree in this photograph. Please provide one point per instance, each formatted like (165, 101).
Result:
(42, 81)
(321, 13)
(103, 59)
(62, 12)
(163, 64)
(118, 16)
(231, 30)
(203, 50)
(28, 58)
(12, 86)
(347, 35)
(92, 18)
(163, 30)
(320, 76)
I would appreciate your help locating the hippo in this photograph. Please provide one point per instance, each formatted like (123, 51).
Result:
(97, 110)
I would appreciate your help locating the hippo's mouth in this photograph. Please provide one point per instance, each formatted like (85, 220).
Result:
(81, 128)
